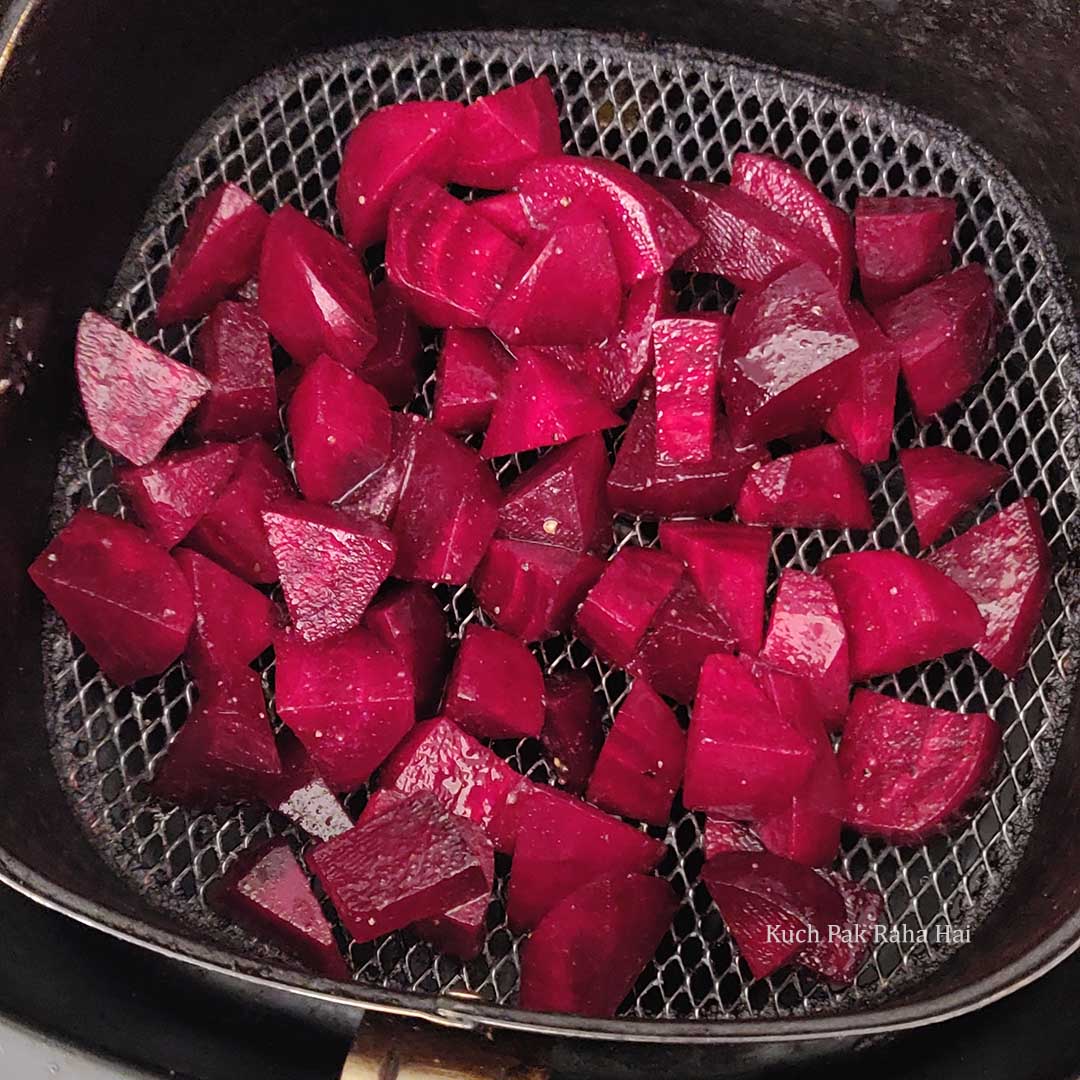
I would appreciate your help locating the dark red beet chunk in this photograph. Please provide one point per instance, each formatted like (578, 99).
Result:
(301, 794)
(470, 370)
(392, 365)
(1004, 566)
(899, 611)
(134, 397)
(507, 213)
(586, 953)
(379, 495)
(218, 253)
(909, 769)
(572, 731)
(120, 594)
(722, 837)
(839, 957)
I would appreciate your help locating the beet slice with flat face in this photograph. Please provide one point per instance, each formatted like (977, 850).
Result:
(392, 366)
(506, 212)
(641, 763)
(301, 794)
(819, 488)
(899, 611)
(349, 700)
(469, 373)
(134, 397)
(723, 836)
(379, 495)
(1004, 566)
(909, 769)
(313, 292)
(586, 953)
(120, 594)
(943, 485)
(901, 242)
(340, 429)
(839, 957)
(219, 252)
(573, 730)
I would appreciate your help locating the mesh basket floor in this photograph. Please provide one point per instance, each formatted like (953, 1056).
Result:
(680, 114)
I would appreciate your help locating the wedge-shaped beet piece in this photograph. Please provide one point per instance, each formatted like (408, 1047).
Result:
(340, 428)
(349, 700)
(572, 731)
(728, 564)
(379, 495)
(121, 594)
(723, 836)
(386, 147)
(648, 234)
(469, 373)
(641, 764)
(1004, 566)
(772, 906)
(219, 252)
(944, 333)
(392, 366)
(171, 494)
(586, 953)
(901, 243)
(839, 957)
(540, 403)
(943, 485)
(134, 397)
(507, 213)
(301, 794)
(819, 488)
(899, 611)
(909, 769)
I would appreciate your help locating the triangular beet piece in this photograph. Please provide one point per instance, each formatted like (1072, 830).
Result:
(392, 366)
(378, 496)
(839, 957)
(573, 730)
(943, 485)
(301, 794)
(507, 212)
(723, 836)
(469, 373)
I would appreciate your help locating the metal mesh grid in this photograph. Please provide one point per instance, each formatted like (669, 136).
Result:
(282, 141)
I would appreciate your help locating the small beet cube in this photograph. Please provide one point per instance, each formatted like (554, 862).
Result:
(507, 213)
(219, 252)
(392, 365)
(301, 794)
(469, 373)
(120, 594)
(1004, 566)
(722, 837)
(572, 731)
(839, 957)
(586, 953)
(380, 494)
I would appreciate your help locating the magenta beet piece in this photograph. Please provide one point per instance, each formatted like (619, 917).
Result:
(943, 485)
(819, 488)
(944, 333)
(469, 373)
(648, 234)
(219, 252)
(349, 700)
(641, 763)
(901, 243)
(722, 837)
(134, 397)
(171, 494)
(1004, 566)
(120, 594)
(586, 953)
(899, 611)
(340, 429)
(301, 794)
(909, 769)
(386, 147)
(572, 731)
(392, 365)
(507, 213)
(839, 959)
(771, 906)
(379, 495)
(618, 610)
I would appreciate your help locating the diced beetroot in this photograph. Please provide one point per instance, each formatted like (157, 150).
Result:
(540, 403)
(495, 690)
(386, 147)
(231, 532)
(409, 619)
(340, 429)
(944, 332)
(838, 957)
(641, 763)
(219, 252)
(1004, 566)
(943, 485)
(562, 499)
(901, 243)
(908, 769)
(507, 213)
(772, 906)
(313, 292)
(171, 494)
(301, 794)
(266, 890)
(586, 953)
(470, 371)
(572, 731)
(722, 837)
(639, 484)
(819, 488)
(120, 594)
(618, 610)
(728, 563)
(134, 397)
(899, 611)
(392, 365)
(379, 495)
(448, 262)
(648, 234)
(349, 700)
(225, 751)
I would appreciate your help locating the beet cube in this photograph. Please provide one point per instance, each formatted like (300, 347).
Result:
(722, 837)
(301, 794)
(379, 495)
(507, 213)
(392, 365)
(467, 379)
(839, 957)
(572, 731)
